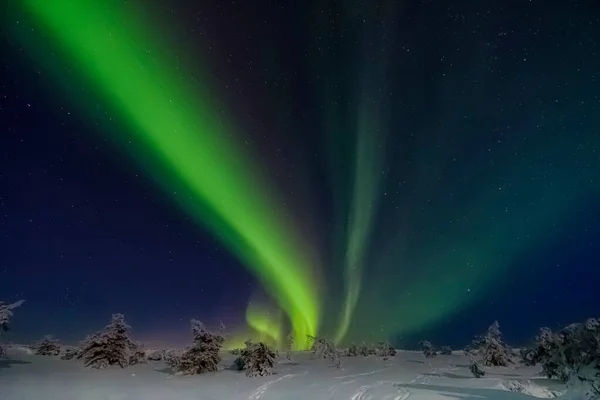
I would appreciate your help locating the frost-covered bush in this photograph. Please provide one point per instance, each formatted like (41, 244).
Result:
(202, 356)
(323, 348)
(571, 355)
(156, 355)
(110, 347)
(446, 351)
(138, 355)
(48, 346)
(476, 369)
(490, 349)
(362, 349)
(287, 347)
(69, 353)
(352, 351)
(428, 349)
(385, 350)
(257, 359)
(171, 357)
(235, 352)
(6, 312)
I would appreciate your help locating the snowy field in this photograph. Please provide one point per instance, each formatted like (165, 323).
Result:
(407, 376)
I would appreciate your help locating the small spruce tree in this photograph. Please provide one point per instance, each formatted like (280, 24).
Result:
(428, 349)
(110, 347)
(257, 359)
(385, 350)
(138, 355)
(287, 346)
(323, 348)
(490, 349)
(446, 351)
(352, 351)
(69, 353)
(48, 346)
(6, 312)
(203, 356)
(365, 350)
(476, 369)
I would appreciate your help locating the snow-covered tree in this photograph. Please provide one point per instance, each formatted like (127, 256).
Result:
(571, 355)
(363, 350)
(69, 353)
(352, 351)
(202, 356)
(490, 349)
(428, 349)
(257, 359)
(385, 350)
(325, 349)
(446, 351)
(156, 355)
(476, 369)
(110, 347)
(48, 346)
(287, 347)
(138, 355)
(6, 312)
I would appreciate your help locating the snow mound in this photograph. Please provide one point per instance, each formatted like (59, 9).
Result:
(529, 388)
(16, 350)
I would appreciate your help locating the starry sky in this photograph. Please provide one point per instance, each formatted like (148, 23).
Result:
(399, 170)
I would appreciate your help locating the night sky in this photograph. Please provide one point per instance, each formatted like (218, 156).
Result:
(363, 170)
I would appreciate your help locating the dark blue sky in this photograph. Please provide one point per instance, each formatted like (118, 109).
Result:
(84, 233)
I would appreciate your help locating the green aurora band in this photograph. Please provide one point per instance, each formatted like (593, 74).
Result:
(183, 144)
(356, 110)
(417, 240)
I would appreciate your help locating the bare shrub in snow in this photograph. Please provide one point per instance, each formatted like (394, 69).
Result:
(48, 346)
(257, 359)
(571, 355)
(385, 350)
(202, 356)
(428, 349)
(323, 348)
(446, 351)
(110, 347)
(490, 349)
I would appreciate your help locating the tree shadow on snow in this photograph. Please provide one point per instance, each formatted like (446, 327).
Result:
(8, 363)
(164, 370)
(466, 393)
(448, 375)
(415, 361)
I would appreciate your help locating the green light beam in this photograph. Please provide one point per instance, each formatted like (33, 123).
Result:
(186, 142)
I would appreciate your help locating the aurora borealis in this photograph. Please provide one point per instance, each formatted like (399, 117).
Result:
(379, 171)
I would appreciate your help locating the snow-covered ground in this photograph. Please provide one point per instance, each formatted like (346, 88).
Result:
(408, 375)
